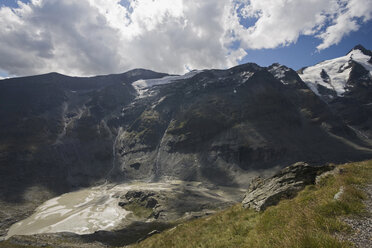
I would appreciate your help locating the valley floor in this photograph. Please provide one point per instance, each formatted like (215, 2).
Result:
(336, 212)
(117, 215)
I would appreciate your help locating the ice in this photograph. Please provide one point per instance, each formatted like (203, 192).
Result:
(142, 86)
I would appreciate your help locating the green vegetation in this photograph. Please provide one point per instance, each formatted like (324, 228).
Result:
(309, 220)
(138, 210)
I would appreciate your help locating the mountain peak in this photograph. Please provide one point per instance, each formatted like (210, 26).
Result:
(362, 49)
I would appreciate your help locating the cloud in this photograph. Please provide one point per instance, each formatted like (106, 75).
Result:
(89, 37)
(67, 36)
(346, 21)
(281, 22)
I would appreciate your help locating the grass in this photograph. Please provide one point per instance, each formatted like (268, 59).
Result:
(138, 210)
(6, 244)
(309, 220)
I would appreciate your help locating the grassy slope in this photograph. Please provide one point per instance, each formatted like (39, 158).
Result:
(309, 220)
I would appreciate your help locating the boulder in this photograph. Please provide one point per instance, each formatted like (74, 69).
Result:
(263, 193)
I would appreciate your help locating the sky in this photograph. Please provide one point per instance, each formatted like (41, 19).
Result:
(91, 37)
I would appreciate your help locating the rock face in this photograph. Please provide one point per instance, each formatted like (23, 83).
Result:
(263, 193)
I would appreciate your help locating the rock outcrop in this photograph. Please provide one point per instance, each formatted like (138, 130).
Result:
(263, 193)
(147, 199)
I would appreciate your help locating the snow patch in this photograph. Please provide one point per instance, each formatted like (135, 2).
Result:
(246, 75)
(278, 72)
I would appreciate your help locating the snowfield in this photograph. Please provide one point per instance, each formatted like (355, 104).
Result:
(338, 71)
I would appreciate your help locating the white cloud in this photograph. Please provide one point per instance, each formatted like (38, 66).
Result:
(88, 37)
(346, 22)
(281, 22)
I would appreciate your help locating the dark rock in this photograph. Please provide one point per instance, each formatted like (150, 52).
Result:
(135, 166)
(122, 204)
(147, 199)
(157, 213)
(133, 194)
(324, 75)
(363, 49)
(358, 71)
(326, 93)
(138, 195)
(263, 193)
(151, 203)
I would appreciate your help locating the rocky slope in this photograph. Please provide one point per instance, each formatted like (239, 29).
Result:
(61, 132)
(54, 129)
(222, 125)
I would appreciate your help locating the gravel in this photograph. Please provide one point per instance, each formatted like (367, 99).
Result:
(362, 226)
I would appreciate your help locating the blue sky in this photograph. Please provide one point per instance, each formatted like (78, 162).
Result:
(11, 3)
(89, 37)
(304, 53)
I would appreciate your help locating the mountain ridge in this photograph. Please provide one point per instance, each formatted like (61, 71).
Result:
(105, 109)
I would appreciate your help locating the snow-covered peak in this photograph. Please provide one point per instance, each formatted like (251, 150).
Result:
(142, 86)
(362, 49)
(333, 74)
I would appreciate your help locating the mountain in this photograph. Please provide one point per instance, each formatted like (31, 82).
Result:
(53, 129)
(345, 84)
(219, 126)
